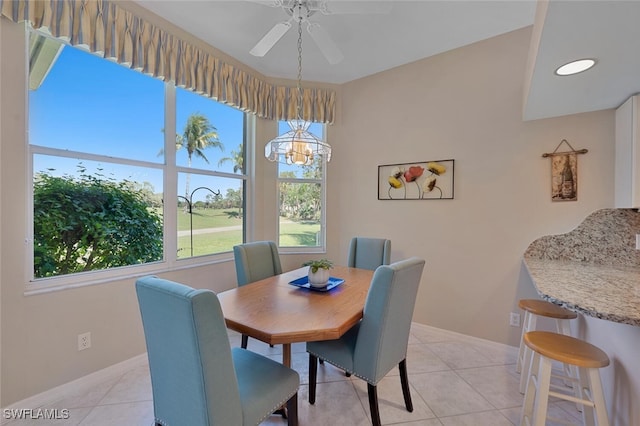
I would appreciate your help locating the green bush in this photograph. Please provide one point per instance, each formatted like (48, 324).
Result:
(87, 223)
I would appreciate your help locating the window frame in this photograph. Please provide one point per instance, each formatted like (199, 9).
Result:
(170, 171)
(322, 248)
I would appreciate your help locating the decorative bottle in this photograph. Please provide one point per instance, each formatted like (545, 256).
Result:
(567, 180)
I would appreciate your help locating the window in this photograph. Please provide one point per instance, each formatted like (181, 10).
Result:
(105, 164)
(211, 179)
(301, 194)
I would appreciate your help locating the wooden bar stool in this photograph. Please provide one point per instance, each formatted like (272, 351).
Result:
(534, 308)
(587, 358)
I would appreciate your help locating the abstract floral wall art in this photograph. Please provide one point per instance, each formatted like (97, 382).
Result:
(429, 180)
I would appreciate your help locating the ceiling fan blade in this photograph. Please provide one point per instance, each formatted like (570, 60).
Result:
(325, 43)
(351, 7)
(270, 39)
(270, 3)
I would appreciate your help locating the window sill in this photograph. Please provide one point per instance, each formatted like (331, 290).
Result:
(54, 284)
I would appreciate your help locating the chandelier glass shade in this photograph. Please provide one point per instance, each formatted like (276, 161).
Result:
(298, 145)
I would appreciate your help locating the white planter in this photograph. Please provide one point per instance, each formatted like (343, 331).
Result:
(319, 278)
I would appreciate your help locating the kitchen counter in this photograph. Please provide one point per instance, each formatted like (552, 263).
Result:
(603, 291)
(594, 269)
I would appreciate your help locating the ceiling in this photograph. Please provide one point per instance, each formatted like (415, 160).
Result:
(407, 31)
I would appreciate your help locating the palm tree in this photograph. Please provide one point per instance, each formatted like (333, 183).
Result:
(237, 157)
(198, 134)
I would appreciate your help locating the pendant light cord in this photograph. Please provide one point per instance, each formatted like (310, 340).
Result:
(299, 60)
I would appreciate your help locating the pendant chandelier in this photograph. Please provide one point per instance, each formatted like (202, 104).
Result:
(298, 145)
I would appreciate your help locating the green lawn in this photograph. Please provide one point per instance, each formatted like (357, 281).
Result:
(296, 234)
(207, 218)
(293, 234)
(218, 242)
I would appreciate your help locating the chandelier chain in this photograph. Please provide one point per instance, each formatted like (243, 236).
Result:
(300, 61)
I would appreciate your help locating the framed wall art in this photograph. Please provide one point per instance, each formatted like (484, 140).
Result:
(428, 180)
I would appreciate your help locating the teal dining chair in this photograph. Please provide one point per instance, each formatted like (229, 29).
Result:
(379, 341)
(369, 253)
(255, 261)
(197, 379)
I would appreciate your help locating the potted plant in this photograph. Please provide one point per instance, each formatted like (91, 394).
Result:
(318, 271)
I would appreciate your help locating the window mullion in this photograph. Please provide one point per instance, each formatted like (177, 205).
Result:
(170, 175)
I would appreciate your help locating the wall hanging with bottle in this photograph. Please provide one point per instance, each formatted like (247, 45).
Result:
(564, 172)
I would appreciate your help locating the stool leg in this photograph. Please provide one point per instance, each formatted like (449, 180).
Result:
(526, 369)
(529, 397)
(542, 395)
(525, 366)
(597, 395)
(588, 415)
(522, 345)
(563, 327)
(571, 371)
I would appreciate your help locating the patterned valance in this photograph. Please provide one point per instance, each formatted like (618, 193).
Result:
(112, 32)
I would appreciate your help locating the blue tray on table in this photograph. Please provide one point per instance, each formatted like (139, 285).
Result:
(304, 283)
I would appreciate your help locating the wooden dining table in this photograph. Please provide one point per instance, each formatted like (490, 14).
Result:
(276, 312)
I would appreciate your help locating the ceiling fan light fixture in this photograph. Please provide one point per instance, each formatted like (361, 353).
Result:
(298, 145)
(575, 67)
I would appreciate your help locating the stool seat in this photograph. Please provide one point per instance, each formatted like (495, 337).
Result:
(546, 309)
(566, 349)
(533, 309)
(582, 356)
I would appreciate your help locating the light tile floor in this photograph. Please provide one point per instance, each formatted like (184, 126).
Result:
(455, 380)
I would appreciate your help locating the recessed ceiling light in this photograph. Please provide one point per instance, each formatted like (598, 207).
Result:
(575, 67)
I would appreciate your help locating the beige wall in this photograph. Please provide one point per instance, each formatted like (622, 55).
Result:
(464, 104)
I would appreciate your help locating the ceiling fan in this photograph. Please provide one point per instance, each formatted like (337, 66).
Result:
(302, 10)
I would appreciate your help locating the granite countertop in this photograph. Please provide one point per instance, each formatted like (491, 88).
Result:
(594, 269)
(609, 292)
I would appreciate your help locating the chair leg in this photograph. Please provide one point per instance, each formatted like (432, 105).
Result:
(404, 380)
(373, 404)
(292, 410)
(245, 340)
(313, 371)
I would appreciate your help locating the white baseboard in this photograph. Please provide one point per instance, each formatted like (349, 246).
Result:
(50, 396)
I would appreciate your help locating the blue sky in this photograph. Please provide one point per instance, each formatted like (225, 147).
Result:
(88, 104)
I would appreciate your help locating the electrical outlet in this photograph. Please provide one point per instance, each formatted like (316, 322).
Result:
(84, 341)
(514, 319)
(637, 241)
